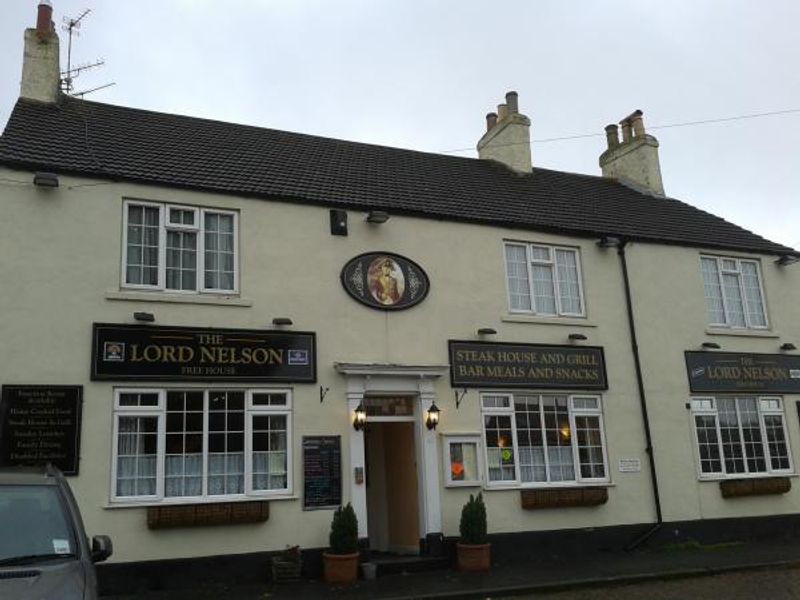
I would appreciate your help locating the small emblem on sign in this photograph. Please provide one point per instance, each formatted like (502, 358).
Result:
(298, 357)
(794, 373)
(114, 351)
(697, 372)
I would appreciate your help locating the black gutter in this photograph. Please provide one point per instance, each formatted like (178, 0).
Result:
(642, 401)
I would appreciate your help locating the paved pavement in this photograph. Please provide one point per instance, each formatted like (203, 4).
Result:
(664, 569)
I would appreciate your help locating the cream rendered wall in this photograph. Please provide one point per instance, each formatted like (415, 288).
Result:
(61, 269)
(670, 309)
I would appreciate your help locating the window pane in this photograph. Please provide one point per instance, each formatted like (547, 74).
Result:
(733, 299)
(776, 440)
(558, 438)
(184, 451)
(499, 447)
(219, 254)
(517, 270)
(708, 444)
(568, 287)
(137, 451)
(731, 440)
(226, 443)
(495, 401)
(181, 260)
(527, 416)
(752, 294)
(590, 447)
(713, 291)
(270, 452)
(544, 297)
(751, 433)
(463, 461)
(142, 248)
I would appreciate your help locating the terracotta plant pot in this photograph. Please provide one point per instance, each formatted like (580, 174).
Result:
(474, 557)
(340, 568)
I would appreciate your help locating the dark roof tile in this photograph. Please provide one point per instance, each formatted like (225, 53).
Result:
(102, 140)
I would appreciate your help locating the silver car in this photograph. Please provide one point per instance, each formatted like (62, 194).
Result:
(44, 552)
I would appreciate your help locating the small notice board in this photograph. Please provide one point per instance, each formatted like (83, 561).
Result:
(322, 472)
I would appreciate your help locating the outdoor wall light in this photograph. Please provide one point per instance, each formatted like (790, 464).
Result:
(43, 179)
(359, 417)
(338, 222)
(281, 321)
(710, 346)
(144, 317)
(377, 217)
(577, 337)
(487, 331)
(787, 259)
(432, 419)
(788, 346)
(609, 241)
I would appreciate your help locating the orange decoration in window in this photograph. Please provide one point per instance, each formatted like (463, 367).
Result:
(457, 469)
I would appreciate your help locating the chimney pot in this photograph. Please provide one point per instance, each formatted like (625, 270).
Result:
(612, 136)
(491, 120)
(44, 18)
(502, 111)
(638, 124)
(512, 101)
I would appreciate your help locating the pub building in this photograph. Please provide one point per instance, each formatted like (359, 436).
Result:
(221, 333)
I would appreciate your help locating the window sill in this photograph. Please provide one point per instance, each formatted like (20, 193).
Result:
(136, 296)
(547, 486)
(567, 321)
(757, 333)
(112, 505)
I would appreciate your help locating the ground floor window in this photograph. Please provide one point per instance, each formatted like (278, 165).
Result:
(537, 439)
(740, 435)
(201, 443)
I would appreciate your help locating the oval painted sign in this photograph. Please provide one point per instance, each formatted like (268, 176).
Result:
(385, 281)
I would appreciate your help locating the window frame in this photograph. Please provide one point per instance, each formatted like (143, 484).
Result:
(160, 412)
(551, 248)
(517, 482)
(718, 259)
(473, 438)
(164, 227)
(723, 475)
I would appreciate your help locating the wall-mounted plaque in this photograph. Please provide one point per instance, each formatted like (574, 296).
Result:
(741, 372)
(542, 366)
(148, 353)
(385, 281)
(322, 472)
(41, 424)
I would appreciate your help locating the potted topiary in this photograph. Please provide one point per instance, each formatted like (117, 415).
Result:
(474, 552)
(341, 561)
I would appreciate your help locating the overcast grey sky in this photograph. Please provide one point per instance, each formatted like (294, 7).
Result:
(422, 75)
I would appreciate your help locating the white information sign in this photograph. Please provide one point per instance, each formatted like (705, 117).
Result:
(630, 465)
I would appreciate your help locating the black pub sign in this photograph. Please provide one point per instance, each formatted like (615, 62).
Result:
(41, 424)
(543, 366)
(743, 372)
(385, 281)
(146, 353)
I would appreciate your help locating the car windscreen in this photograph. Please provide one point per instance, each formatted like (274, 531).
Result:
(34, 522)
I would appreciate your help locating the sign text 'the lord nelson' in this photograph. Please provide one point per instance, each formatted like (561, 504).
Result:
(483, 364)
(146, 353)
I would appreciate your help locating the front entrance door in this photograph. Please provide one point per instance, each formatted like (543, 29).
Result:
(392, 494)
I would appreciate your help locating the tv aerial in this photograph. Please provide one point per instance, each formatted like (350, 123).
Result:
(72, 26)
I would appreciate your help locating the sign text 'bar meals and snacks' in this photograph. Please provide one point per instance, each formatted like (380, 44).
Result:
(743, 372)
(147, 353)
(502, 365)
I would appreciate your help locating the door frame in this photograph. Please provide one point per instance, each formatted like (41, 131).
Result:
(417, 381)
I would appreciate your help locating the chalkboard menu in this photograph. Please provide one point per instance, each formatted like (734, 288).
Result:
(41, 424)
(322, 472)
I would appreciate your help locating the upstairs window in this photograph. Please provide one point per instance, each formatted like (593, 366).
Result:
(543, 280)
(733, 292)
(179, 248)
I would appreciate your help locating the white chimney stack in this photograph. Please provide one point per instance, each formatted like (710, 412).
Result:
(41, 77)
(633, 161)
(508, 136)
